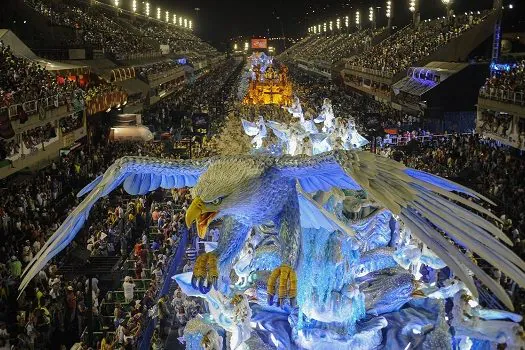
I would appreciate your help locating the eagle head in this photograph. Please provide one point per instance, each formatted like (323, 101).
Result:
(230, 186)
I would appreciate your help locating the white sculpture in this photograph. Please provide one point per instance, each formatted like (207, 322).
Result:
(257, 130)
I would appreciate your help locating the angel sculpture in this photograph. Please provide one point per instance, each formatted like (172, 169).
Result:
(347, 131)
(326, 116)
(296, 109)
(257, 130)
(315, 251)
(291, 136)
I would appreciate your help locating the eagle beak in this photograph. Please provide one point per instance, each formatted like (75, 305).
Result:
(202, 215)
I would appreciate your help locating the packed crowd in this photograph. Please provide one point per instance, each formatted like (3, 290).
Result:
(53, 309)
(145, 71)
(504, 83)
(22, 80)
(332, 48)
(71, 123)
(178, 39)
(9, 148)
(409, 45)
(495, 171)
(93, 27)
(38, 136)
(211, 94)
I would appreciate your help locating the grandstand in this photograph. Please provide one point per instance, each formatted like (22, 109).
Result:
(95, 59)
(379, 67)
(501, 105)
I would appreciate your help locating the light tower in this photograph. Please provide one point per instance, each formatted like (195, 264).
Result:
(372, 17)
(389, 13)
(448, 5)
(358, 19)
(414, 8)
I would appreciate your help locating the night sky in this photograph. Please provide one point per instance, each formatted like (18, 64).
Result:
(217, 21)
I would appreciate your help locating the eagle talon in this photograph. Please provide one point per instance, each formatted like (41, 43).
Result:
(287, 285)
(205, 274)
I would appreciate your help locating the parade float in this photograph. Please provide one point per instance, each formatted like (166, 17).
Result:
(326, 246)
(268, 82)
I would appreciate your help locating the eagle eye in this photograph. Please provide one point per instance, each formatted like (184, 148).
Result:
(216, 201)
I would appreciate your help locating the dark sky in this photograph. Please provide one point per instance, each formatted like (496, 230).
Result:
(219, 20)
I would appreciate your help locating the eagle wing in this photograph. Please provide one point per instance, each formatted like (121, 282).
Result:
(139, 175)
(435, 209)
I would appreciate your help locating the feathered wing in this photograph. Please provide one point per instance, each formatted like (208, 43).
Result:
(139, 175)
(250, 128)
(430, 206)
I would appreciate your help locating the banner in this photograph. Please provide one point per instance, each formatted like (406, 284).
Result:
(259, 43)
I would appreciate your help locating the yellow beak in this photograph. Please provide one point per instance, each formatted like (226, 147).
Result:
(202, 215)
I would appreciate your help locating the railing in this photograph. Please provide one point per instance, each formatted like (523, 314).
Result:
(138, 56)
(32, 107)
(156, 76)
(383, 74)
(507, 96)
(399, 140)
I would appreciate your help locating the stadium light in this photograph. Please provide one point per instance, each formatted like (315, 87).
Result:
(357, 18)
(347, 22)
(134, 6)
(246, 46)
(324, 27)
(315, 29)
(167, 16)
(185, 23)
(174, 19)
(147, 9)
(158, 13)
(190, 24)
(116, 2)
(180, 21)
(331, 25)
(338, 23)
(389, 9)
(412, 5)
(235, 46)
(319, 28)
(371, 14)
(446, 2)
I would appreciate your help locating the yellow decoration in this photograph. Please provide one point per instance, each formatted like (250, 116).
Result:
(273, 88)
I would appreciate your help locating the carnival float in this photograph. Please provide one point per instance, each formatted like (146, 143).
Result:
(325, 246)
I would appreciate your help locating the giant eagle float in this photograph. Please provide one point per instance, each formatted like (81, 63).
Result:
(281, 194)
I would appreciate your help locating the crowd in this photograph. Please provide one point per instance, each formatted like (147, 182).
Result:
(493, 170)
(332, 48)
(38, 136)
(52, 311)
(23, 80)
(212, 94)
(93, 27)
(179, 40)
(511, 81)
(71, 123)
(145, 71)
(9, 148)
(409, 45)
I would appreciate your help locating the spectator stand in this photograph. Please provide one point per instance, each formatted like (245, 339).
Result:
(379, 67)
(501, 106)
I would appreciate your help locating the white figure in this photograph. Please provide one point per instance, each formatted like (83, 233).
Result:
(257, 130)
(326, 116)
(468, 321)
(296, 109)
